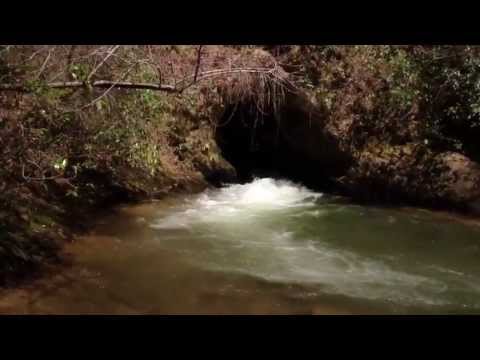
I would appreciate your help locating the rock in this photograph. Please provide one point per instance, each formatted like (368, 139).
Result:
(421, 176)
(460, 178)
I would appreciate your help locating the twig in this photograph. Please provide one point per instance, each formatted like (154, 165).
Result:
(110, 53)
(28, 178)
(35, 53)
(44, 178)
(230, 117)
(70, 58)
(159, 71)
(174, 75)
(109, 89)
(197, 67)
(42, 68)
(6, 48)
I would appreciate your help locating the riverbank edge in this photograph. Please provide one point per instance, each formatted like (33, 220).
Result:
(62, 230)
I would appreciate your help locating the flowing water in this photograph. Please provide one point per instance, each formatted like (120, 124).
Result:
(268, 246)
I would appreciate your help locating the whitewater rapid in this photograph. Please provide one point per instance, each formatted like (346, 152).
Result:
(271, 229)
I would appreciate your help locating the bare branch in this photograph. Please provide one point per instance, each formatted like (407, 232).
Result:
(6, 48)
(269, 73)
(98, 83)
(45, 178)
(42, 68)
(110, 53)
(35, 53)
(109, 89)
(197, 66)
(173, 73)
(70, 58)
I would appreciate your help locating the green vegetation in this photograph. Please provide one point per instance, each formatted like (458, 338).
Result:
(436, 87)
(67, 152)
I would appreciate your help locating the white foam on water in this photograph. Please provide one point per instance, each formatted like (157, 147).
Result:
(240, 202)
(340, 272)
(236, 220)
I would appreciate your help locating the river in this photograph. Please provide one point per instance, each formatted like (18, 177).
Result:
(265, 247)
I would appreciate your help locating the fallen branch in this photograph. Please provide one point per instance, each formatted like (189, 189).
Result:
(269, 72)
(98, 83)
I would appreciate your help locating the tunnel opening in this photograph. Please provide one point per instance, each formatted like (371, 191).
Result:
(286, 144)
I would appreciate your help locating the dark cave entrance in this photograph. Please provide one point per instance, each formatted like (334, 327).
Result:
(251, 143)
(288, 144)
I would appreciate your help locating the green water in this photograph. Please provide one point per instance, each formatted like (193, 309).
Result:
(266, 247)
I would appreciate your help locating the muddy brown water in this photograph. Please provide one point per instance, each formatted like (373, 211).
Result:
(267, 247)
